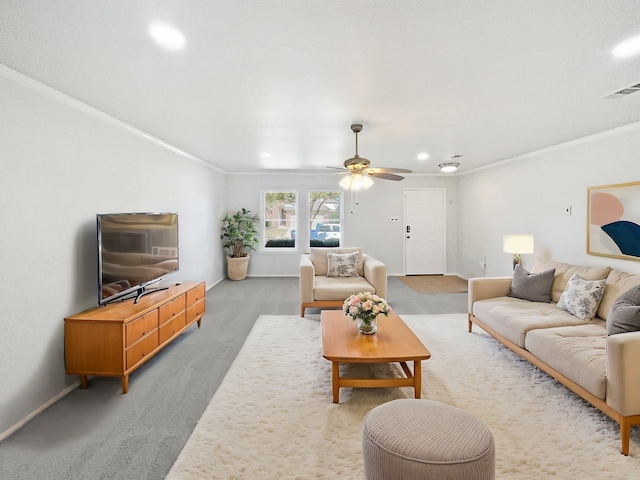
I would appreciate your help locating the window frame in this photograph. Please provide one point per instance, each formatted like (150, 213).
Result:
(340, 215)
(263, 222)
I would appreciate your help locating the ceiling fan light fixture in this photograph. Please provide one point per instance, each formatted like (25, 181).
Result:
(346, 182)
(366, 181)
(356, 182)
(449, 167)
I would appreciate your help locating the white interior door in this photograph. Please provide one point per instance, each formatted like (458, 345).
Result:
(424, 214)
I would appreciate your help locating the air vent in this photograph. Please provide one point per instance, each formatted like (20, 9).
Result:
(624, 91)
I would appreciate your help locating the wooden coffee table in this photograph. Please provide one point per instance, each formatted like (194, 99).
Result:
(393, 342)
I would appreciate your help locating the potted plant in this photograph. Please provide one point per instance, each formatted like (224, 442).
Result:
(240, 236)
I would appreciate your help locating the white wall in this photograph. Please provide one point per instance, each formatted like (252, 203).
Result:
(530, 194)
(367, 224)
(61, 166)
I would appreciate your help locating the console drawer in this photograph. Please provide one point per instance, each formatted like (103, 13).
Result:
(140, 327)
(195, 295)
(171, 309)
(141, 349)
(172, 327)
(195, 310)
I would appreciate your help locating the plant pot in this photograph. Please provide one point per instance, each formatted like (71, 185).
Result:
(237, 267)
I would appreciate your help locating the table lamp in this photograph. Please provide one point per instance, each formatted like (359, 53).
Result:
(518, 245)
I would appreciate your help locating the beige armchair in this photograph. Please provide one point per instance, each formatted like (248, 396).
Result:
(317, 290)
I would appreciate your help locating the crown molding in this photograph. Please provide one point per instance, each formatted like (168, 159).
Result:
(561, 146)
(63, 98)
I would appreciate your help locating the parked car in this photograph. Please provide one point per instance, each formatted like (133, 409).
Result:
(325, 231)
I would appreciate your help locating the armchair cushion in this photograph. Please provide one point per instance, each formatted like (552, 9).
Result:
(339, 288)
(342, 264)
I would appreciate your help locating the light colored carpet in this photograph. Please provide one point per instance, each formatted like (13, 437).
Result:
(272, 417)
(432, 284)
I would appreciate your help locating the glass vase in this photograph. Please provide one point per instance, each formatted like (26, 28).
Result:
(367, 326)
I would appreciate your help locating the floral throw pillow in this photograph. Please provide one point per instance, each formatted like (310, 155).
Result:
(582, 297)
(342, 264)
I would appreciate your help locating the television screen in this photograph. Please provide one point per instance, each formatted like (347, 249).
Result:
(134, 251)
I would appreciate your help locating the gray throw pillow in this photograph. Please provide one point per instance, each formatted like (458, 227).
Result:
(624, 315)
(535, 287)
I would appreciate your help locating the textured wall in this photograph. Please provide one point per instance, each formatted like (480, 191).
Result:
(367, 224)
(530, 195)
(62, 164)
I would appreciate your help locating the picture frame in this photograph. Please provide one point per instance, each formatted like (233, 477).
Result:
(613, 221)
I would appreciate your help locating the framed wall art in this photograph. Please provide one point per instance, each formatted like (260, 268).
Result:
(613, 221)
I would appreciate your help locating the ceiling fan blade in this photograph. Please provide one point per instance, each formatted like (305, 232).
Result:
(386, 176)
(336, 168)
(388, 170)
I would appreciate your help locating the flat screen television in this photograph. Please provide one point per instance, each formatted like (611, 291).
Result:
(135, 250)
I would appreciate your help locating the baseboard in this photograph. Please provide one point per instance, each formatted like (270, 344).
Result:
(11, 430)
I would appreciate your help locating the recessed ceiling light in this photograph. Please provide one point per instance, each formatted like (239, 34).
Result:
(167, 36)
(628, 48)
(265, 155)
(423, 156)
(449, 167)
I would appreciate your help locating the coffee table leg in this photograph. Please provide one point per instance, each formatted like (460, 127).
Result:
(417, 377)
(335, 381)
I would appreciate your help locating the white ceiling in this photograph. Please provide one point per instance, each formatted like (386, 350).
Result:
(487, 79)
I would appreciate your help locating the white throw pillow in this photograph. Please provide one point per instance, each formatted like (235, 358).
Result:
(342, 264)
(582, 297)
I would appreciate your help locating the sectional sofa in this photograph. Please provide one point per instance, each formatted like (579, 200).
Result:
(597, 358)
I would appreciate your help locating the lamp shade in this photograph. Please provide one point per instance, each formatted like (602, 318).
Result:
(517, 244)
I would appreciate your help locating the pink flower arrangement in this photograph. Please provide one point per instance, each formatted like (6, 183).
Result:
(366, 306)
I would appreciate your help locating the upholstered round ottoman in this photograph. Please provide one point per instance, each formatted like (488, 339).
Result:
(411, 439)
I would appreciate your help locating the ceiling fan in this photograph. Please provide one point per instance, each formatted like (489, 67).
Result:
(360, 169)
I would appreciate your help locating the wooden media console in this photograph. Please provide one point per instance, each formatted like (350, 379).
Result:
(116, 339)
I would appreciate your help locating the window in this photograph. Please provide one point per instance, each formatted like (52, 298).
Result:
(279, 217)
(325, 219)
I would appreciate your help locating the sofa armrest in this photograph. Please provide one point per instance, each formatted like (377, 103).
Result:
(481, 288)
(375, 272)
(623, 372)
(306, 280)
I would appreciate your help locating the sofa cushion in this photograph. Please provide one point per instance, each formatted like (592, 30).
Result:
(512, 318)
(318, 257)
(625, 313)
(582, 297)
(331, 288)
(617, 283)
(535, 287)
(564, 272)
(576, 352)
(342, 264)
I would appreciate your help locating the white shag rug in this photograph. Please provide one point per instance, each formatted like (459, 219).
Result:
(272, 417)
